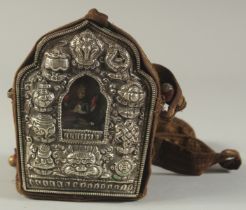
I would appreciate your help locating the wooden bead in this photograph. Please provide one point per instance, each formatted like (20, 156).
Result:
(167, 91)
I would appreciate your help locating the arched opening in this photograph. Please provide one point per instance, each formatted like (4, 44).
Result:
(84, 106)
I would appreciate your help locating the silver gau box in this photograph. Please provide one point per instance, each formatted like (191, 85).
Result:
(84, 112)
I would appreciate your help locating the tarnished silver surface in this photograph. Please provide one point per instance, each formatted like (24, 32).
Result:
(106, 159)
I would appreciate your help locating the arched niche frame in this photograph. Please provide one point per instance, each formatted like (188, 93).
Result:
(81, 135)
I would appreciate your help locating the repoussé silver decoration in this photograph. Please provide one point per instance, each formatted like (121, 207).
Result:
(107, 160)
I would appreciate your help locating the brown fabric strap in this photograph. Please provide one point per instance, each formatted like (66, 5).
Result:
(176, 147)
(188, 155)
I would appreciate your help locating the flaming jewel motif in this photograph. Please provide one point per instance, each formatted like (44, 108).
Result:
(86, 48)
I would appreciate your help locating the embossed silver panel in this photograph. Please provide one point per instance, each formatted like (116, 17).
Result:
(65, 150)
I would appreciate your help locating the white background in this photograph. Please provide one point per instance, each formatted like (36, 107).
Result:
(202, 42)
